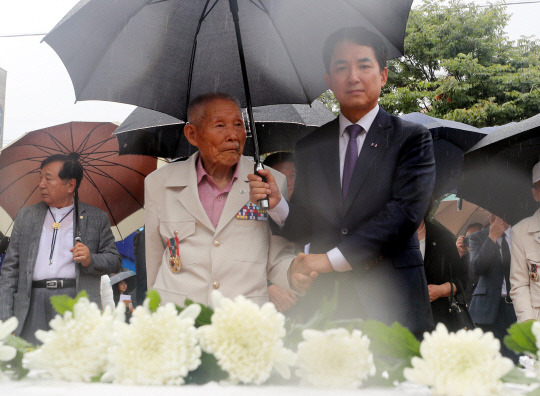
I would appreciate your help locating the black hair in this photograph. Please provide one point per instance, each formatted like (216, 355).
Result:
(278, 157)
(357, 35)
(71, 168)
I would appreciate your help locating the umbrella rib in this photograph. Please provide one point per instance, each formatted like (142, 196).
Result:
(194, 49)
(24, 203)
(82, 145)
(265, 10)
(19, 178)
(38, 159)
(111, 163)
(58, 143)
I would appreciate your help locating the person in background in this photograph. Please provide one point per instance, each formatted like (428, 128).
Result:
(44, 259)
(524, 270)
(462, 245)
(491, 306)
(445, 273)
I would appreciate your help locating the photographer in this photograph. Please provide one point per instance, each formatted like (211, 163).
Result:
(462, 244)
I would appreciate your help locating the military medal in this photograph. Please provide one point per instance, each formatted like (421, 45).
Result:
(250, 211)
(174, 254)
(533, 272)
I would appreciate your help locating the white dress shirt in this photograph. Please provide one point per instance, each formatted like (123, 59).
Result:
(281, 211)
(63, 265)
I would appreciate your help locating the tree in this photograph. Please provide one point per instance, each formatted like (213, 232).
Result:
(460, 65)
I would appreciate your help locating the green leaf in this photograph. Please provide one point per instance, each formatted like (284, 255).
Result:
(393, 341)
(204, 318)
(155, 300)
(535, 392)
(209, 370)
(64, 303)
(521, 339)
(517, 376)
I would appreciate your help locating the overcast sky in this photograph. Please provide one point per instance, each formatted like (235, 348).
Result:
(39, 91)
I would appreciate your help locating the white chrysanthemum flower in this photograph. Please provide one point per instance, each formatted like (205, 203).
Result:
(7, 352)
(246, 340)
(158, 348)
(334, 358)
(467, 362)
(76, 347)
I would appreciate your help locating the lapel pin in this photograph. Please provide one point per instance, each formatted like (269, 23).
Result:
(373, 144)
(81, 217)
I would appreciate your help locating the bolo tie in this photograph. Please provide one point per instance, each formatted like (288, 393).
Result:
(56, 227)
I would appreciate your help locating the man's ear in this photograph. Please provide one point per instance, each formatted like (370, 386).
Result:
(536, 193)
(72, 183)
(384, 76)
(190, 132)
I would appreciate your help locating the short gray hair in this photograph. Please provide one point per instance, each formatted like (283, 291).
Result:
(196, 107)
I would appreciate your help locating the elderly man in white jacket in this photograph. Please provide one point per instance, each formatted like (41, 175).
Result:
(525, 267)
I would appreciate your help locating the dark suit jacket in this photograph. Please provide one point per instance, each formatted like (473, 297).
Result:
(486, 263)
(18, 267)
(374, 228)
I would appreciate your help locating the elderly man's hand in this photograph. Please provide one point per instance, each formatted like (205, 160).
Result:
(497, 228)
(306, 267)
(81, 254)
(259, 189)
(282, 299)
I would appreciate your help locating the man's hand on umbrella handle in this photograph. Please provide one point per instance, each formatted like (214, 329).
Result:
(258, 189)
(81, 254)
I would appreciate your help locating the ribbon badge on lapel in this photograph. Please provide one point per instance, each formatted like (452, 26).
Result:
(533, 271)
(174, 254)
(250, 211)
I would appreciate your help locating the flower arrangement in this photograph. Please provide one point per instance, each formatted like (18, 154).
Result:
(245, 343)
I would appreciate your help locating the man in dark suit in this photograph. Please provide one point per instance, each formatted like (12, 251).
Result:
(44, 259)
(491, 306)
(363, 183)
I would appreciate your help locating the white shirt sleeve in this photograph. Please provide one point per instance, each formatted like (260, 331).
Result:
(280, 212)
(338, 260)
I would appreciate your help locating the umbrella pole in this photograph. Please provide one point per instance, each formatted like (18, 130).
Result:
(233, 4)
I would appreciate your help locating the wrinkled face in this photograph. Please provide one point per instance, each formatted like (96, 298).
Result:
(54, 191)
(287, 168)
(355, 78)
(220, 134)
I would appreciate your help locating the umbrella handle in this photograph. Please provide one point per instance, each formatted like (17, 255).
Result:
(263, 203)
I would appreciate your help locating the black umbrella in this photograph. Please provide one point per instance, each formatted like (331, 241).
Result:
(159, 54)
(148, 132)
(497, 170)
(451, 139)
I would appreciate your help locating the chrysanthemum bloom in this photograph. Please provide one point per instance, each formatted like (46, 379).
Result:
(467, 362)
(334, 358)
(7, 352)
(158, 348)
(246, 340)
(76, 347)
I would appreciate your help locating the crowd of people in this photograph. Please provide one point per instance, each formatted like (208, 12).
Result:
(349, 217)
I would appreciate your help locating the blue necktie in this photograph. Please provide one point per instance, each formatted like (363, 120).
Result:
(351, 155)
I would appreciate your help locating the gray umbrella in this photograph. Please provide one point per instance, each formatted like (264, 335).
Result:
(128, 276)
(149, 132)
(497, 170)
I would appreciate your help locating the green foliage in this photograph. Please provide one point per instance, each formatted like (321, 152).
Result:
(459, 65)
(521, 339)
(154, 300)
(64, 303)
(518, 376)
(209, 370)
(204, 318)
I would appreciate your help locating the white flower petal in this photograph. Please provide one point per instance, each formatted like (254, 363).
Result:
(8, 327)
(191, 312)
(7, 353)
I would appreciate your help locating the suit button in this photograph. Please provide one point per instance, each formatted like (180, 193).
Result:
(217, 243)
(344, 231)
(216, 285)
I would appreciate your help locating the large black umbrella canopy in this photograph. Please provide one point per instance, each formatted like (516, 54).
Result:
(451, 139)
(497, 170)
(159, 54)
(148, 132)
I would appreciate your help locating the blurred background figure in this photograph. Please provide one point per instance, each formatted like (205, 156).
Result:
(140, 266)
(123, 284)
(283, 161)
(462, 245)
(445, 273)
